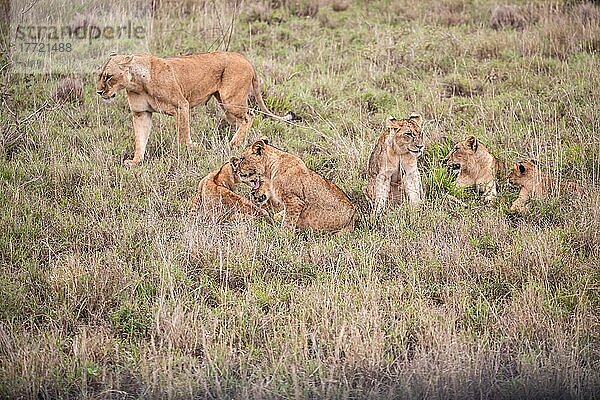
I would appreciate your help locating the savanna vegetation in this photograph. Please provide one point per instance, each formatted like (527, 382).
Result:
(107, 290)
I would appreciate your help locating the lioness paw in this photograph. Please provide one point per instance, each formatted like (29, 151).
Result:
(234, 143)
(131, 163)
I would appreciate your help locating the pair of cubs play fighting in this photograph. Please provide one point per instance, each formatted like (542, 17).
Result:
(174, 85)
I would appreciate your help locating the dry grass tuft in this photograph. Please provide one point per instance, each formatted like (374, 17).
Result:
(82, 21)
(68, 90)
(340, 5)
(506, 16)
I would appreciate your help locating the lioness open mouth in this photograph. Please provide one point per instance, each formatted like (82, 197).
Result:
(254, 184)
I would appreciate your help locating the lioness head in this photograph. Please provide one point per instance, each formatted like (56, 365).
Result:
(113, 76)
(406, 135)
(250, 165)
(524, 174)
(462, 154)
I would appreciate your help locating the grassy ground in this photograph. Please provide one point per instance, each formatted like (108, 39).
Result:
(107, 291)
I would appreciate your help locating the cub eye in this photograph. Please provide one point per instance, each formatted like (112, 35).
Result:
(107, 77)
(408, 134)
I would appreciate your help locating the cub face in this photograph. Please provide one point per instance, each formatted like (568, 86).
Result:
(524, 173)
(260, 195)
(405, 135)
(461, 154)
(250, 165)
(113, 76)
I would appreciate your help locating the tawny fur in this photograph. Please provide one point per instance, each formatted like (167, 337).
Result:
(175, 85)
(216, 197)
(535, 184)
(392, 172)
(307, 199)
(475, 167)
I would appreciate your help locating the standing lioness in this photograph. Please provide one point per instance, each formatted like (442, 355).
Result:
(174, 85)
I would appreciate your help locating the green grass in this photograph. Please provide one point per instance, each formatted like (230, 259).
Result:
(107, 289)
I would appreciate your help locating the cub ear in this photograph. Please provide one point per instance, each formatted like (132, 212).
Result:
(235, 163)
(533, 161)
(390, 121)
(265, 139)
(258, 147)
(472, 142)
(521, 167)
(416, 118)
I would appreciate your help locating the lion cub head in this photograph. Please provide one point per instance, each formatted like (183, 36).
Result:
(405, 136)
(525, 174)
(261, 193)
(251, 164)
(462, 159)
(114, 75)
(474, 166)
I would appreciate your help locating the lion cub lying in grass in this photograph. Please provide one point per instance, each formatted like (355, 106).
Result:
(475, 167)
(216, 198)
(534, 184)
(392, 171)
(283, 181)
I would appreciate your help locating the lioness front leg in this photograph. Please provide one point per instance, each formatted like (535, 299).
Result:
(142, 126)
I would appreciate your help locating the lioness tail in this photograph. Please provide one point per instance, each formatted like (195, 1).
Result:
(290, 116)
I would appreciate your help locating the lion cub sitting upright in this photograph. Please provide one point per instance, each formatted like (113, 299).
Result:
(475, 167)
(534, 184)
(216, 198)
(392, 172)
(307, 199)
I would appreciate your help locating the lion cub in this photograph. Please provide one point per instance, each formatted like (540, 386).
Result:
(283, 180)
(392, 171)
(475, 167)
(216, 198)
(534, 184)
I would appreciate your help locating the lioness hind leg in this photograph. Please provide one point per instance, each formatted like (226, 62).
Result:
(243, 124)
(183, 124)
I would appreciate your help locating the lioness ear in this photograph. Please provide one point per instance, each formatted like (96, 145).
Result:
(472, 142)
(265, 139)
(124, 61)
(521, 168)
(416, 118)
(258, 147)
